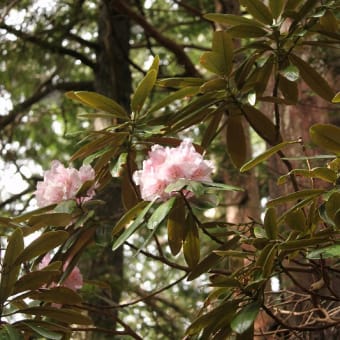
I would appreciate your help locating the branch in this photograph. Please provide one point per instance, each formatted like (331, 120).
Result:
(177, 49)
(48, 46)
(43, 90)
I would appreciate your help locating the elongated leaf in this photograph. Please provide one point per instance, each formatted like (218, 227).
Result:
(179, 82)
(57, 219)
(245, 318)
(35, 280)
(276, 7)
(231, 19)
(270, 224)
(247, 31)
(326, 252)
(261, 124)
(312, 78)
(99, 102)
(296, 220)
(264, 156)
(223, 46)
(289, 89)
(160, 213)
(327, 136)
(133, 227)
(64, 315)
(213, 85)
(258, 10)
(214, 62)
(211, 131)
(128, 217)
(46, 333)
(303, 194)
(303, 243)
(10, 269)
(236, 141)
(60, 295)
(143, 90)
(42, 245)
(176, 225)
(191, 245)
(184, 92)
(336, 98)
(9, 332)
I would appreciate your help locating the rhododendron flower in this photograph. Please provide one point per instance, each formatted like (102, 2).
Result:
(73, 281)
(62, 183)
(167, 165)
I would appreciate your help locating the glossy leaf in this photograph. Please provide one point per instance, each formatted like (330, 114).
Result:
(223, 46)
(160, 213)
(236, 141)
(265, 261)
(245, 318)
(43, 244)
(261, 124)
(60, 295)
(312, 78)
(301, 244)
(289, 89)
(326, 252)
(213, 85)
(276, 7)
(270, 224)
(336, 98)
(143, 90)
(332, 207)
(302, 194)
(181, 93)
(99, 102)
(179, 82)
(327, 136)
(291, 73)
(191, 245)
(247, 31)
(128, 217)
(212, 128)
(46, 333)
(264, 156)
(133, 227)
(8, 332)
(258, 10)
(10, 269)
(64, 315)
(56, 219)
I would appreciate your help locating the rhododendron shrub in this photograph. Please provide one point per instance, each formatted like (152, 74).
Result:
(73, 281)
(166, 165)
(62, 183)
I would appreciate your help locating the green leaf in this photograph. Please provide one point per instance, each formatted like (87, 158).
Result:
(289, 89)
(270, 224)
(213, 85)
(230, 19)
(263, 126)
(43, 244)
(302, 194)
(35, 280)
(9, 332)
(68, 316)
(245, 318)
(265, 261)
(46, 333)
(184, 92)
(10, 267)
(128, 217)
(180, 82)
(302, 243)
(60, 295)
(258, 10)
(236, 141)
(276, 7)
(336, 98)
(327, 136)
(247, 31)
(264, 156)
(56, 219)
(291, 73)
(214, 62)
(326, 252)
(332, 207)
(160, 213)
(176, 226)
(99, 102)
(191, 245)
(143, 90)
(296, 220)
(221, 186)
(133, 227)
(312, 78)
(223, 46)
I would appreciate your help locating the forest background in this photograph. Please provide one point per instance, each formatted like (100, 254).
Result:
(239, 78)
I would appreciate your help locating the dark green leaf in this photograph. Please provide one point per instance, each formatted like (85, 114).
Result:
(245, 318)
(236, 141)
(296, 220)
(276, 7)
(258, 10)
(312, 78)
(231, 19)
(303, 194)
(160, 213)
(326, 252)
(46, 333)
(270, 224)
(327, 136)
(247, 31)
(191, 245)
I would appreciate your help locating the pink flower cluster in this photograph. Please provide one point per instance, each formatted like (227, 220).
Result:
(167, 165)
(74, 280)
(62, 183)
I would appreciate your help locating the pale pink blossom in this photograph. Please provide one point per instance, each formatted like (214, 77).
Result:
(62, 183)
(166, 165)
(73, 281)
